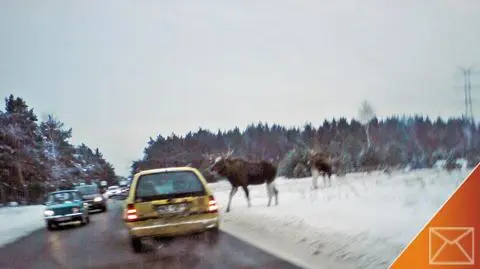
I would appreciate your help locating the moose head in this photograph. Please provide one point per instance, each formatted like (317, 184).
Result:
(215, 161)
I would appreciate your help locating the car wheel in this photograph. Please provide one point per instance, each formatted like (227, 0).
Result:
(214, 231)
(50, 226)
(105, 209)
(85, 220)
(211, 236)
(136, 244)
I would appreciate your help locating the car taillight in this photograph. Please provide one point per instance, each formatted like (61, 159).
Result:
(131, 212)
(212, 205)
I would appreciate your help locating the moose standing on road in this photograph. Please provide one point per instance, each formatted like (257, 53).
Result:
(320, 162)
(241, 173)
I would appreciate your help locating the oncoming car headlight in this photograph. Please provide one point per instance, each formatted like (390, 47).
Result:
(48, 213)
(97, 199)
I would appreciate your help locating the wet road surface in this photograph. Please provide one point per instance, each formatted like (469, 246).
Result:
(103, 244)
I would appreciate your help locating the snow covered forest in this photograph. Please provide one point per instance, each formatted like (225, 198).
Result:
(365, 143)
(36, 157)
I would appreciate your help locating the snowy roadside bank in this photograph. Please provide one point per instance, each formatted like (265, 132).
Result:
(276, 244)
(19, 222)
(361, 221)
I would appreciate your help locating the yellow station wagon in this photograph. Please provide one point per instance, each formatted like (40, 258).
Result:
(169, 202)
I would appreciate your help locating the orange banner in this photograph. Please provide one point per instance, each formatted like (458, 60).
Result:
(450, 239)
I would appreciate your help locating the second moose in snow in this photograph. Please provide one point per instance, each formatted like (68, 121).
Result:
(320, 162)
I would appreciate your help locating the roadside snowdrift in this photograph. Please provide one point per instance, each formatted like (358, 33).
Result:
(361, 221)
(19, 221)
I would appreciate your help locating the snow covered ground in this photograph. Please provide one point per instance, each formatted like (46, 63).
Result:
(19, 221)
(362, 221)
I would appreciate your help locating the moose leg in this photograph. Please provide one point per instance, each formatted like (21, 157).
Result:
(329, 179)
(232, 193)
(269, 193)
(247, 195)
(315, 174)
(275, 191)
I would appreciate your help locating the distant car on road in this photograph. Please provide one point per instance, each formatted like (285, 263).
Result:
(64, 207)
(169, 202)
(113, 191)
(125, 190)
(92, 197)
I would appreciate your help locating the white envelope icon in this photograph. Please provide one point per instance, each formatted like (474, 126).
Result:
(462, 244)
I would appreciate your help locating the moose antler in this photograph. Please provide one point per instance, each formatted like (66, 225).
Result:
(207, 155)
(229, 153)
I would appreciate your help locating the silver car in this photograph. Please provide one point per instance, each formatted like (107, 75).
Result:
(113, 191)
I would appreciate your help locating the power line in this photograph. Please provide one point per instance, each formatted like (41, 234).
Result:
(469, 84)
(468, 115)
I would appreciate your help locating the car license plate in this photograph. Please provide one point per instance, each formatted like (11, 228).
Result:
(64, 218)
(172, 209)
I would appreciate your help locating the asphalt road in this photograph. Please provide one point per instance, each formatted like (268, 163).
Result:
(103, 244)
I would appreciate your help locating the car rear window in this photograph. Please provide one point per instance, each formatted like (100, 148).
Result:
(88, 190)
(166, 185)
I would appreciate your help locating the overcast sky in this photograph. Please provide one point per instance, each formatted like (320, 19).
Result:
(120, 71)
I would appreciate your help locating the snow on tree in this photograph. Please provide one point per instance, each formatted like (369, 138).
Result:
(92, 166)
(365, 115)
(293, 165)
(57, 148)
(38, 158)
(21, 162)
